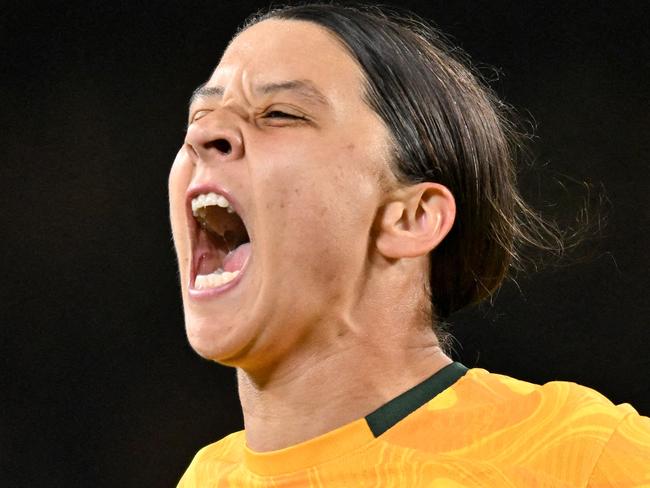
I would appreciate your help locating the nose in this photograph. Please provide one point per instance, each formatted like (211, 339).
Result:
(213, 139)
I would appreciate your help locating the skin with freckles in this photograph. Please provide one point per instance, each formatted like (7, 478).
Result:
(330, 308)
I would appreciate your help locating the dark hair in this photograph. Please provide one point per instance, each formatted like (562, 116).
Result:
(448, 127)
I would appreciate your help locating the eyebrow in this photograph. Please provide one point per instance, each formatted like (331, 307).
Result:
(203, 91)
(304, 88)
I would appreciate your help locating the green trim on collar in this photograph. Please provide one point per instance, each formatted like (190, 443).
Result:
(395, 410)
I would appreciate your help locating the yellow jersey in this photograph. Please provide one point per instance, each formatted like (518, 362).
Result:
(459, 428)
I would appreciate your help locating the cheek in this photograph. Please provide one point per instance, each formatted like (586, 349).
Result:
(180, 176)
(328, 213)
(180, 172)
(323, 192)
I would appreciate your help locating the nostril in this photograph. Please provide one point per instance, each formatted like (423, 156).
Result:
(222, 145)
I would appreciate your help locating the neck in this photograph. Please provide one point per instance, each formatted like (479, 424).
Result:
(320, 390)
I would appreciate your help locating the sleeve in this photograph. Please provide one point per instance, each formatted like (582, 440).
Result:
(625, 459)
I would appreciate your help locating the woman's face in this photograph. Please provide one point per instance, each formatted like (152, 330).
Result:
(282, 132)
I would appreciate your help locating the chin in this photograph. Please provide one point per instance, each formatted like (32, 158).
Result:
(215, 341)
(208, 348)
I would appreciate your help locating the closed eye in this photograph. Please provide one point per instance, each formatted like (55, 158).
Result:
(277, 114)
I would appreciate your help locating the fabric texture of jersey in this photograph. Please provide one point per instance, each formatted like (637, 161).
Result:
(459, 428)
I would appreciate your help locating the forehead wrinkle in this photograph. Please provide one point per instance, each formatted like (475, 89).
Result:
(219, 92)
(303, 88)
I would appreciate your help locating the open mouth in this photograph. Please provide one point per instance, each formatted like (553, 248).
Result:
(222, 246)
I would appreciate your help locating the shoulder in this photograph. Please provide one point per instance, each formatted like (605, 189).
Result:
(488, 411)
(227, 450)
(561, 432)
(214, 460)
(555, 398)
(625, 458)
(563, 419)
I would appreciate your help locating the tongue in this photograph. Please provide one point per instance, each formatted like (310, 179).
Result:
(236, 259)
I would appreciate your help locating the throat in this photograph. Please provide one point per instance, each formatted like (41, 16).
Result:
(215, 263)
(214, 253)
(210, 253)
(331, 394)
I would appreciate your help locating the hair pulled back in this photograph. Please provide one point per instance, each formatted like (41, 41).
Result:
(447, 127)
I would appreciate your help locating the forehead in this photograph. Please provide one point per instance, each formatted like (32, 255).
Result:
(275, 50)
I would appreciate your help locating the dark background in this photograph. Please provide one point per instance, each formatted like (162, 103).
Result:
(99, 386)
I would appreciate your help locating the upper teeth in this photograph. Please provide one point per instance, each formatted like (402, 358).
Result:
(209, 199)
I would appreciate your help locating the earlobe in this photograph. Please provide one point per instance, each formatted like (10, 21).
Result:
(415, 220)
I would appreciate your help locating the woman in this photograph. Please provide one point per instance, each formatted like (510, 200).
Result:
(345, 184)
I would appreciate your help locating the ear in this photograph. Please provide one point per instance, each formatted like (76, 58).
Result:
(415, 220)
